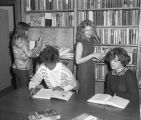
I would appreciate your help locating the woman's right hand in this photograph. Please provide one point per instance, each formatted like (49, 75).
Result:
(98, 56)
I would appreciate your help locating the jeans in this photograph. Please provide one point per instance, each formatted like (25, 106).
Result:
(22, 77)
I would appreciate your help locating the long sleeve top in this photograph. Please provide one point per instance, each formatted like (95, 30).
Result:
(123, 85)
(59, 76)
(23, 54)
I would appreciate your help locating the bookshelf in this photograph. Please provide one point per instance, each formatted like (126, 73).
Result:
(55, 20)
(117, 23)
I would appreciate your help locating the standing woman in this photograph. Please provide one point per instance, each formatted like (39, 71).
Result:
(22, 54)
(86, 38)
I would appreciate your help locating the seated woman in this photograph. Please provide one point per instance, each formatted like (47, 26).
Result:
(121, 81)
(55, 74)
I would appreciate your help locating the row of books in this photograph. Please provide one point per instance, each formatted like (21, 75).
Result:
(101, 70)
(49, 4)
(120, 36)
(91, 4)
(132, 52)
(111, 17)
(62, 19)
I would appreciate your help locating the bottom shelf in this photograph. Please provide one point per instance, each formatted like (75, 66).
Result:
(99, 86)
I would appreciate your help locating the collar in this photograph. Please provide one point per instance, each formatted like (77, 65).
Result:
(120, 73)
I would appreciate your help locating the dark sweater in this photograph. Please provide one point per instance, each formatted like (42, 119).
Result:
(123, 85)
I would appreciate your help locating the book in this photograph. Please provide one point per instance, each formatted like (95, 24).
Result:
(107, 99)
(86, 116)
(48, 114)
(49, 93)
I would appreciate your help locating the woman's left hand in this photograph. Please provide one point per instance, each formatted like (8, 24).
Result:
(58, 88)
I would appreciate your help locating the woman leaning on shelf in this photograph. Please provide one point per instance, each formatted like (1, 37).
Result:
(121, 81)
(86, 38)
(22, 54)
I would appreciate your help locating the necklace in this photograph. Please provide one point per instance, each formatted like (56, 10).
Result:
(120, 71)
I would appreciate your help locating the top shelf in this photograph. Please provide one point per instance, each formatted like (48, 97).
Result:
(48, 11)
(105, 9)
(72, 10)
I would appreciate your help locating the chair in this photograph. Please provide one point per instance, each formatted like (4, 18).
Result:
(76, 89)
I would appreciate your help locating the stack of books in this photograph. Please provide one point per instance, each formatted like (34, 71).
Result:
(48, 114)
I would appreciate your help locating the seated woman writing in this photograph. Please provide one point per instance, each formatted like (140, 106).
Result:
(121, 81)
(55, 74)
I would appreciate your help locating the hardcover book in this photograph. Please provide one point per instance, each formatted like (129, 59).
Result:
(48, 114)
(49, 93)
(106, 99)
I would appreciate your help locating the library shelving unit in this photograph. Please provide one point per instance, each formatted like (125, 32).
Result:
(117, 22)
(118, 25)
(54, 20)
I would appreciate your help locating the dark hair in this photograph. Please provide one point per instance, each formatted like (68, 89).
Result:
(19, 32)
(22, 26)
(49, 55)
(121, 53)
(80, 31)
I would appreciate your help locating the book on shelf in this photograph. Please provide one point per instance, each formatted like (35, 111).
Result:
(86, 116)
(48, 114)
(49, 93)
(107, 99)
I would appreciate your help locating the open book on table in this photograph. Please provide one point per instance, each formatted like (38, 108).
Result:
(49, 93)
(107, 99)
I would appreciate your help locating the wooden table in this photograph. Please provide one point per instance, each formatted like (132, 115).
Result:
(16, 105)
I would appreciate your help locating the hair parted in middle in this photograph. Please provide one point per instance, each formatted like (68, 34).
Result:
(121, 53)
(49, 54)
(80, 36)
(20, 32)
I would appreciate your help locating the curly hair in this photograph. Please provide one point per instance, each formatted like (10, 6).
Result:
(20, 30)
(49, 55)
(121, 53)
(80, 31)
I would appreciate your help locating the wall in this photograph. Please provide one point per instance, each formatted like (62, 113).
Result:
(10, 16)
(60, 37)
(5, 78)
(17, 8)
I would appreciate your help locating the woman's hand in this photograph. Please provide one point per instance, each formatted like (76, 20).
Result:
(58, 88)
(31, 92)
(98, 56)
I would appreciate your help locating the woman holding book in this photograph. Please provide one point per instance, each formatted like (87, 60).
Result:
(86, 38)
(55, 74)
(121, 81)
(22, 54)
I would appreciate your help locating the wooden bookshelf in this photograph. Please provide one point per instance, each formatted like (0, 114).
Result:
(55, 20)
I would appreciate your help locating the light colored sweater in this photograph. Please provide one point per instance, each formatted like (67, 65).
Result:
(59, 76)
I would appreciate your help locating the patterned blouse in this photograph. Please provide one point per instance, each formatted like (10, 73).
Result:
(59, 76)
(23, 54)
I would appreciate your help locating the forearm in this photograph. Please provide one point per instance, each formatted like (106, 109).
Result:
(35, 81)
(70, 84)
(36, 51)
(84, 59)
